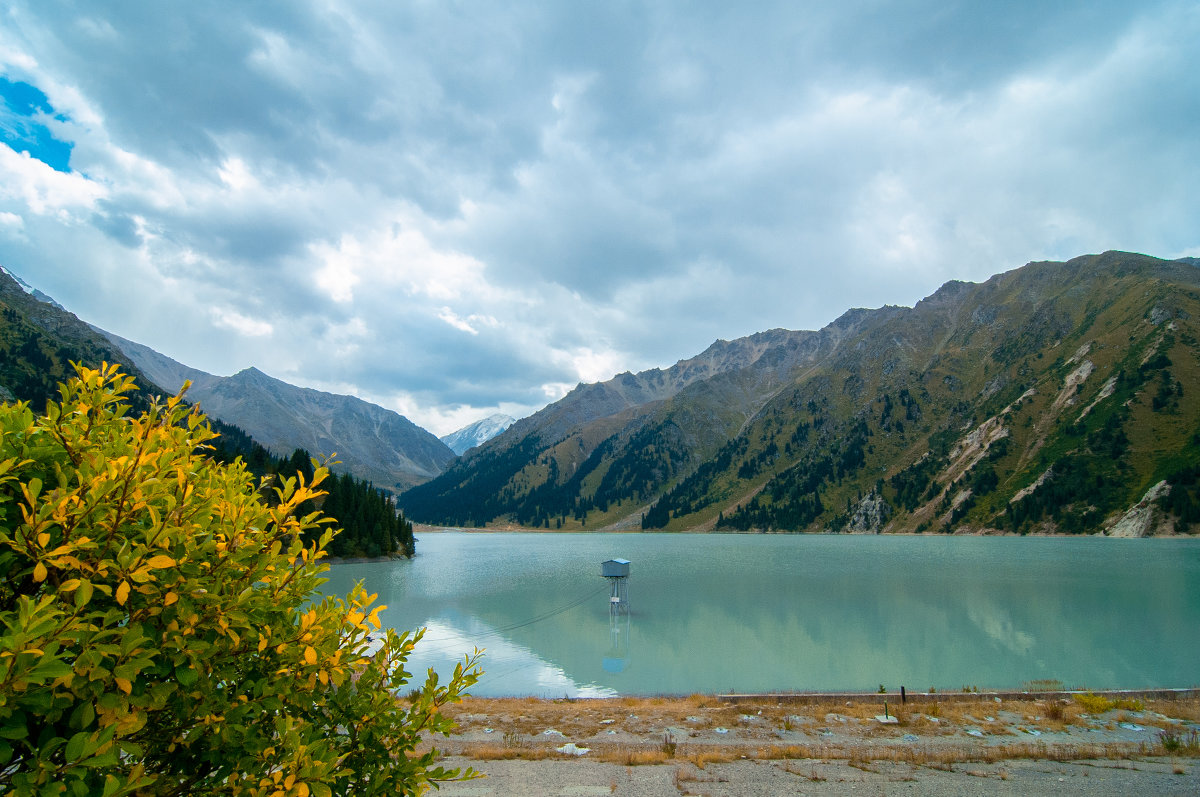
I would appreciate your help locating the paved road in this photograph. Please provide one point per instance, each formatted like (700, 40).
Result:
(751, 778)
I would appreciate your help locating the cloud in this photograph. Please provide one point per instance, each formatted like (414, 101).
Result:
(250, 327)
(42, 189)
(453, 209)
(11, 221)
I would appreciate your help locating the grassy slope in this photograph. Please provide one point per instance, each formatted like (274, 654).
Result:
(964, 362)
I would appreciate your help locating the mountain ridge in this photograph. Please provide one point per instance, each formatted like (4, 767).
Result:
(789, 440)
(38, 341)
(372, 442)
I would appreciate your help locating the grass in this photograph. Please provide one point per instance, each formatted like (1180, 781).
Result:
(1054, 710)
(669, 746)
(1044, 685)
(1180, 742)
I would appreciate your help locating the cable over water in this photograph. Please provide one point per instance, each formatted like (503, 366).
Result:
(497, 632)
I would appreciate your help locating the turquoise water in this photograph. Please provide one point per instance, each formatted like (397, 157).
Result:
(717, 613)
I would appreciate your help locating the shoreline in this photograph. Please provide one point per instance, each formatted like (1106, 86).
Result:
(1147, 694)
(430, 529)
(837, 743)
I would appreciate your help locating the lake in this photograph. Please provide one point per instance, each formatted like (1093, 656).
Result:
(757, 613)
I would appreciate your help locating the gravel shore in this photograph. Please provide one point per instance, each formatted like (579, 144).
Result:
(707, 745)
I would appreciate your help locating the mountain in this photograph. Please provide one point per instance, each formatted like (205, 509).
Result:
(38, 342)
(1050, 398)
(32, 291)
(477, 433)
(373, 443)
(621, 440)
(159, 367)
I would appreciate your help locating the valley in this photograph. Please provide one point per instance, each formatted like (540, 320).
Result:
(1055, 398)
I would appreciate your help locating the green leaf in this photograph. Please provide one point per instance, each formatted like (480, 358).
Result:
(83, 595)
(82, 716)
(77, 746)
(14, 731)
(186, 675)
(50, 668)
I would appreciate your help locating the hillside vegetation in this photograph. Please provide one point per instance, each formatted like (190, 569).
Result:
(1052, 398)
(39, 341)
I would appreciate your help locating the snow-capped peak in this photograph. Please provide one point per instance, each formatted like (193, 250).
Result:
(477, 433)
(32, 291)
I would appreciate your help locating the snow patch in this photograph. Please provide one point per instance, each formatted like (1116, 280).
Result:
(478, 433)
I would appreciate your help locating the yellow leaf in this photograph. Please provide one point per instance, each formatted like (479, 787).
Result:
(67, 586)
(170, 598)
(43, 539)
(373, 619)
(122, 593)
(124, 685)
(39, 572)
(262, 644)
(324, 676)
(160, 561)
(310, 654)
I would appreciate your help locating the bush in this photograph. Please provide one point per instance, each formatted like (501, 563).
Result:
(1094, 704)
(157, 628)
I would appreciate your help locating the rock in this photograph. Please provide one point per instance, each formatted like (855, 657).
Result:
(1139, 520)
(571, 749)
(870, 515)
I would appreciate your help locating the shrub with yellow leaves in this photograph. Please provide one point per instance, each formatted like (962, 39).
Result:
(158, 626)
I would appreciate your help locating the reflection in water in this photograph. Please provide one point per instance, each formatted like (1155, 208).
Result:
(994, 621)
(509, 668)
(619, 625)
(773, 612)
(619, 630)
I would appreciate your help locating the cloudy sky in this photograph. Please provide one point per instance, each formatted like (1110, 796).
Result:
(457, 208)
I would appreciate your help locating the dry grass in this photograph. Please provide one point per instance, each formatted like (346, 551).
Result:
(941, 756)
(1182, 709)
(811, 775)
(1054, 710)
(630, 757)
(702, 758)
(495, 752)
(756, 726)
